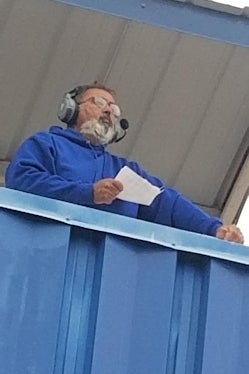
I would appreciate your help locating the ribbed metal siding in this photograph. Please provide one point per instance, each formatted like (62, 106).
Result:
(76, 300)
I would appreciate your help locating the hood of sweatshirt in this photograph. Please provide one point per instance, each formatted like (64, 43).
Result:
(74, 136)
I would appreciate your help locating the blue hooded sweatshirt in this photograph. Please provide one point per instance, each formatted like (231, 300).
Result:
(62, 164)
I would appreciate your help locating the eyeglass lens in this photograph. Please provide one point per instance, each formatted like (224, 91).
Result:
(102, 103)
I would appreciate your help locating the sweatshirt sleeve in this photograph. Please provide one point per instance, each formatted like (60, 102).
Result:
(171, 208)
(185, 215)
(33, 170)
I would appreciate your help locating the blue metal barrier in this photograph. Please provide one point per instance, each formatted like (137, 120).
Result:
(89, 292)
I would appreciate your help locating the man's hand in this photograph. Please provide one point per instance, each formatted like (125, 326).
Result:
(231, 233)
(106, 190)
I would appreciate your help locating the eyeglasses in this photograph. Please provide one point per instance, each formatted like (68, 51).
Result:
(103, 103)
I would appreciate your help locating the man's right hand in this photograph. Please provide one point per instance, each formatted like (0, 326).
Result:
(106, 190)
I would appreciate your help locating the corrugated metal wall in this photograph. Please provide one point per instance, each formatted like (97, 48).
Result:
(185, 96)
(78, 299)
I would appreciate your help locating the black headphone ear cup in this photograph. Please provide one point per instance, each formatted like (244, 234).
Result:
(68, 109)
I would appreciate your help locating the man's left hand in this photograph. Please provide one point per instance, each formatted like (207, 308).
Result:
(231, 233)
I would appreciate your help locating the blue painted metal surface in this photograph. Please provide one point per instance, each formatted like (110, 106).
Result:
(125, 297)
(75, 215)
(33, 258)
(175, 15)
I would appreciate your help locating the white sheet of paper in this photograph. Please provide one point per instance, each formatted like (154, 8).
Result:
(136, 189)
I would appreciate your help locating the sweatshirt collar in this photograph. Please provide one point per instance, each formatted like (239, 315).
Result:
(75, 136)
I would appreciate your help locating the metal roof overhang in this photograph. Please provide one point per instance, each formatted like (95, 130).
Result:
(181, 73)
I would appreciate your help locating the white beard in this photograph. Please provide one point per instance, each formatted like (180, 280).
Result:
(99, 132)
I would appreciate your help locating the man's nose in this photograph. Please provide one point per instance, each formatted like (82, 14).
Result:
(107, 109)
(107, 112)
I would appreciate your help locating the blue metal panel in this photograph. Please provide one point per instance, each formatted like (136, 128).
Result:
(189, 311)
(77, 297)
(49, 286)
(177, 16)
(80, 300)
(227, 322)
(33, 258)
(76, 215)
(132, 332)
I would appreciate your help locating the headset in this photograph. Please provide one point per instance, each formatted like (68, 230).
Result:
(69, 109)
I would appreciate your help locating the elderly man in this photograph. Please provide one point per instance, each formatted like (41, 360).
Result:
(74, 165)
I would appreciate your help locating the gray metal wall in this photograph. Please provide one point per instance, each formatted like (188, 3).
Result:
(181, 73)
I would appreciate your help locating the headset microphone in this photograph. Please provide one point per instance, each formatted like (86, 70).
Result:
(124, 124)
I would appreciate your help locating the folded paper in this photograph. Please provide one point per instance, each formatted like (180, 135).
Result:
(136, 189)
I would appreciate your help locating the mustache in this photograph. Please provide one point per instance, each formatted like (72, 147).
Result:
(106, 120)
(101, 131)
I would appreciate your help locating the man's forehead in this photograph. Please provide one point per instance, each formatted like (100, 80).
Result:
(98, 92)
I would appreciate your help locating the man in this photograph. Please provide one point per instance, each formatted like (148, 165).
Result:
(73, 164)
